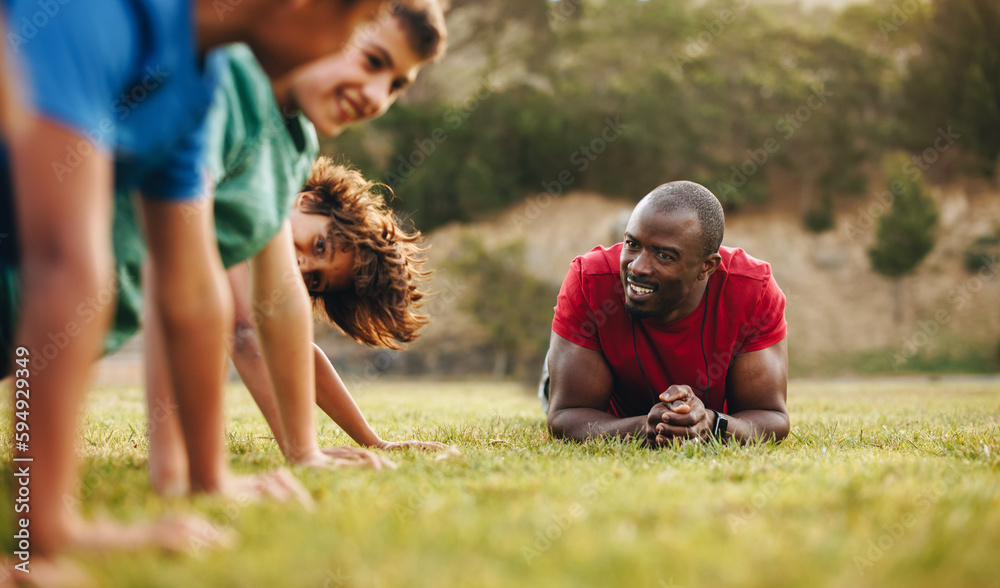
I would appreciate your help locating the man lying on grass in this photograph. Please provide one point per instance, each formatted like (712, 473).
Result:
(668, 335)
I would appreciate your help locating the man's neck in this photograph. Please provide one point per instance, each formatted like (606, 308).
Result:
(689, 305)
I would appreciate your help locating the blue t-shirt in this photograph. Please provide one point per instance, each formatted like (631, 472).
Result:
(128, 76)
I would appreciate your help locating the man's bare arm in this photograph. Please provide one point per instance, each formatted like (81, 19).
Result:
(756, 389)
(580, 390)
(755, 392)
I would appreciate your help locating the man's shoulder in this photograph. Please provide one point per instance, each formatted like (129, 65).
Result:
(738, 263)
(599, 261)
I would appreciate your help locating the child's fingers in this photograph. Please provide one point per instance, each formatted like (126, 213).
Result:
(352, 456)
(56, 573)
(414, 444)
(286, 488)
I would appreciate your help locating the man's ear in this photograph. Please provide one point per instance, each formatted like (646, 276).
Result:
(709, 266)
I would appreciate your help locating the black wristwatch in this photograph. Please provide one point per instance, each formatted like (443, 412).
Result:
(721, 425)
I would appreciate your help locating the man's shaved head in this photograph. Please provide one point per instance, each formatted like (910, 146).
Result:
(690, 196)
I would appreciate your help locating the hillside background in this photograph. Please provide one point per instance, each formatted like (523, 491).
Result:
(532, 139)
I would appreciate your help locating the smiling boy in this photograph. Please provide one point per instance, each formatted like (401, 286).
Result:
(71, 150)
(259, 157)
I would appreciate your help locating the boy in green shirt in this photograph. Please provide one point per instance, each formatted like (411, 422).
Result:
(259, 159)
(73, 73)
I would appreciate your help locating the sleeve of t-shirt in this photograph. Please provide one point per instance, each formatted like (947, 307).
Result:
(77, 64)
(574, 320)
(219, 136)
(193, 162)
(768, 325)
(181, 175)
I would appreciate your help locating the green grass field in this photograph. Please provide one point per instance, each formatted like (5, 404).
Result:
(887, 483)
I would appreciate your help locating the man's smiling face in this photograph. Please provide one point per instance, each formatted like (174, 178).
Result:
(661, 261)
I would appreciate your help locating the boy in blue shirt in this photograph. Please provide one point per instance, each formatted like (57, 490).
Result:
(114, 94)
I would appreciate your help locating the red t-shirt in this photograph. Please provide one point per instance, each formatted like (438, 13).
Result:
(748, 314)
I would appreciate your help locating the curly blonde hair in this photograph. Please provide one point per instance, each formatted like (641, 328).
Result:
(379, 308)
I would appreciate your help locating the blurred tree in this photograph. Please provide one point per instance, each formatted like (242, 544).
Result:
(820, 217)
(906, 233)
(722, 92)
(955, 79)
(514, 306)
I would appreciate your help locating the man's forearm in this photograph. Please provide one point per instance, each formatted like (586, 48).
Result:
(581, 424)
(757, 424)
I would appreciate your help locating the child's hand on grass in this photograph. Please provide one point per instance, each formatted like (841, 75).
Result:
(279, 485)
(171, 533)
(411, 444)
(335, 457)
(45, 572)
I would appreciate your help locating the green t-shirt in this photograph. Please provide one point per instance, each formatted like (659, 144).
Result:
(258, 162)
(10, 304)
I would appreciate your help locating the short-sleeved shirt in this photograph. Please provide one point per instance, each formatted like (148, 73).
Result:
(743, 310)
(127, 75)
(258, 160)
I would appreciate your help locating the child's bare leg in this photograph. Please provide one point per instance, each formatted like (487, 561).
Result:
(64, 229)
(168, 462)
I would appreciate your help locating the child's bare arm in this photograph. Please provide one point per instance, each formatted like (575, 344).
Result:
(273, 354)
(246, 353)
(186, 286)
(332, 396)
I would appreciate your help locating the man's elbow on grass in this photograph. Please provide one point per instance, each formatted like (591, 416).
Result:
(558, 425)
(762, 426)
(779, 432)
(569, 424)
